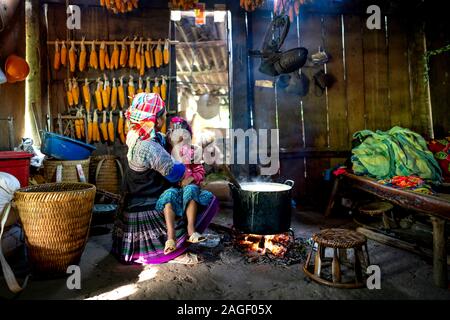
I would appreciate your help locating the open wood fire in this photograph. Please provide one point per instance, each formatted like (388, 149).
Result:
(275, 245)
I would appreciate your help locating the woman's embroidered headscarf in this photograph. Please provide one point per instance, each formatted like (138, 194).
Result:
(143, 112)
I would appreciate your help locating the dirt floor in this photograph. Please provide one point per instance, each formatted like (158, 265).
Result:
(225, 273)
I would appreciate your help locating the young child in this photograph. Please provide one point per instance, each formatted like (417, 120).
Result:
(184, 199)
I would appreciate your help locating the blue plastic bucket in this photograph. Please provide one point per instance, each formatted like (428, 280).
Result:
(64, 148)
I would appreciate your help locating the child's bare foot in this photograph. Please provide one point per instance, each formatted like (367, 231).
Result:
(196, 238)
(170, 246)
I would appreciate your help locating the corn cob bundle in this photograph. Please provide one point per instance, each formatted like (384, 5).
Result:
(148, 87)
(63, 54)
(72, 57)
(166, 53)
(79, 125)
(69, 94)
(158, 55)
(183, 4)
(87, 95)
(164, 88)
(251, 5)
(126, 127)
(132, 57)
(120, 128)
(82, 60)
(123, 54)
(119, 6)
(93, 58)
(149, 55)
(115, 57)
(140, 86)
(111, 131)
(156, 88)
(114, 95)
(57, 57)
(98, 95)
(121, 93)
(106, 93)
(104, 127)
(75, 92)
(290, 8)
(131, 90)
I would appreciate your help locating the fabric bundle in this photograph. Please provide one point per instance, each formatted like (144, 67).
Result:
(397, 152)
(410, 183)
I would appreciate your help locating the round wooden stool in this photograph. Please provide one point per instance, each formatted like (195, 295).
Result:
(339, 240)
(380, 209)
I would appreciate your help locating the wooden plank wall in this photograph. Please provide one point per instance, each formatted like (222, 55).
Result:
(99, 24)
(372, 91)
(12, 96)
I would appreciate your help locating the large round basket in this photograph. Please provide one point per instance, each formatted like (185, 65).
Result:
(56, 218)
(106, 173)
(69, 170)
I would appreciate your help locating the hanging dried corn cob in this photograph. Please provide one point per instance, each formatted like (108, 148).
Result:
(156, 88)
(111, 131)
(166, 53)
(131, 90)
(69, 94)
(148, 87)
(120, 128)
(87, 95)
(101, 53)
(114, 95)
(57, 57)
(102, 3)
(107, 59)
(104, 127)
(82, 122)
(123, 54)
(149, 55)
(90, 130)
(163, 88)
(119, 6)
(72, 57)
(95, 129)
(79, 125)
(63, 54)
(138, 56)
(82, 60)
(98, 95)
(158, 55)
(132, 57)
(142, 63)
(93, 58)
(75, 92)
(140, 86)
(126, 127)
(106, 93)
(115, 57)
(121, 93)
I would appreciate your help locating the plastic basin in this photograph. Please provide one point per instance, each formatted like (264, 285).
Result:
(64, 148)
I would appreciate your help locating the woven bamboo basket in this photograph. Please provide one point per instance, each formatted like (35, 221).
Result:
(69, 170)
(56, 218)
(106, 173)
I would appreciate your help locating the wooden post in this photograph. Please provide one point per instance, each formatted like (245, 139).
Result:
(439, 253)
(33, 82)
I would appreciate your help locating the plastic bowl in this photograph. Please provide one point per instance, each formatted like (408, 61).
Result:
(64, 148)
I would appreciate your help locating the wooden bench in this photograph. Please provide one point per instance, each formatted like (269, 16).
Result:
(436, 206)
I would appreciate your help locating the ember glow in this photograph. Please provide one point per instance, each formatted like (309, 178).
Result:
(276, 245)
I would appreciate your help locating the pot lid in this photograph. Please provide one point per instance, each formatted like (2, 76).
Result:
(264, 187)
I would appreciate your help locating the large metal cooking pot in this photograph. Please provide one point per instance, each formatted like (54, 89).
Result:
(262, 207)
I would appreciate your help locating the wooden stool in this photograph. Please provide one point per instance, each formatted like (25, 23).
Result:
(340, 240)
(377, 209)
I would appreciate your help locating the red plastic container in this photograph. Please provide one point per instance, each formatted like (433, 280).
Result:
(17, 164)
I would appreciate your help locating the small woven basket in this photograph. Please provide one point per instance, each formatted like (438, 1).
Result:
(106, 173)
(56, 218)
(69, 170)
